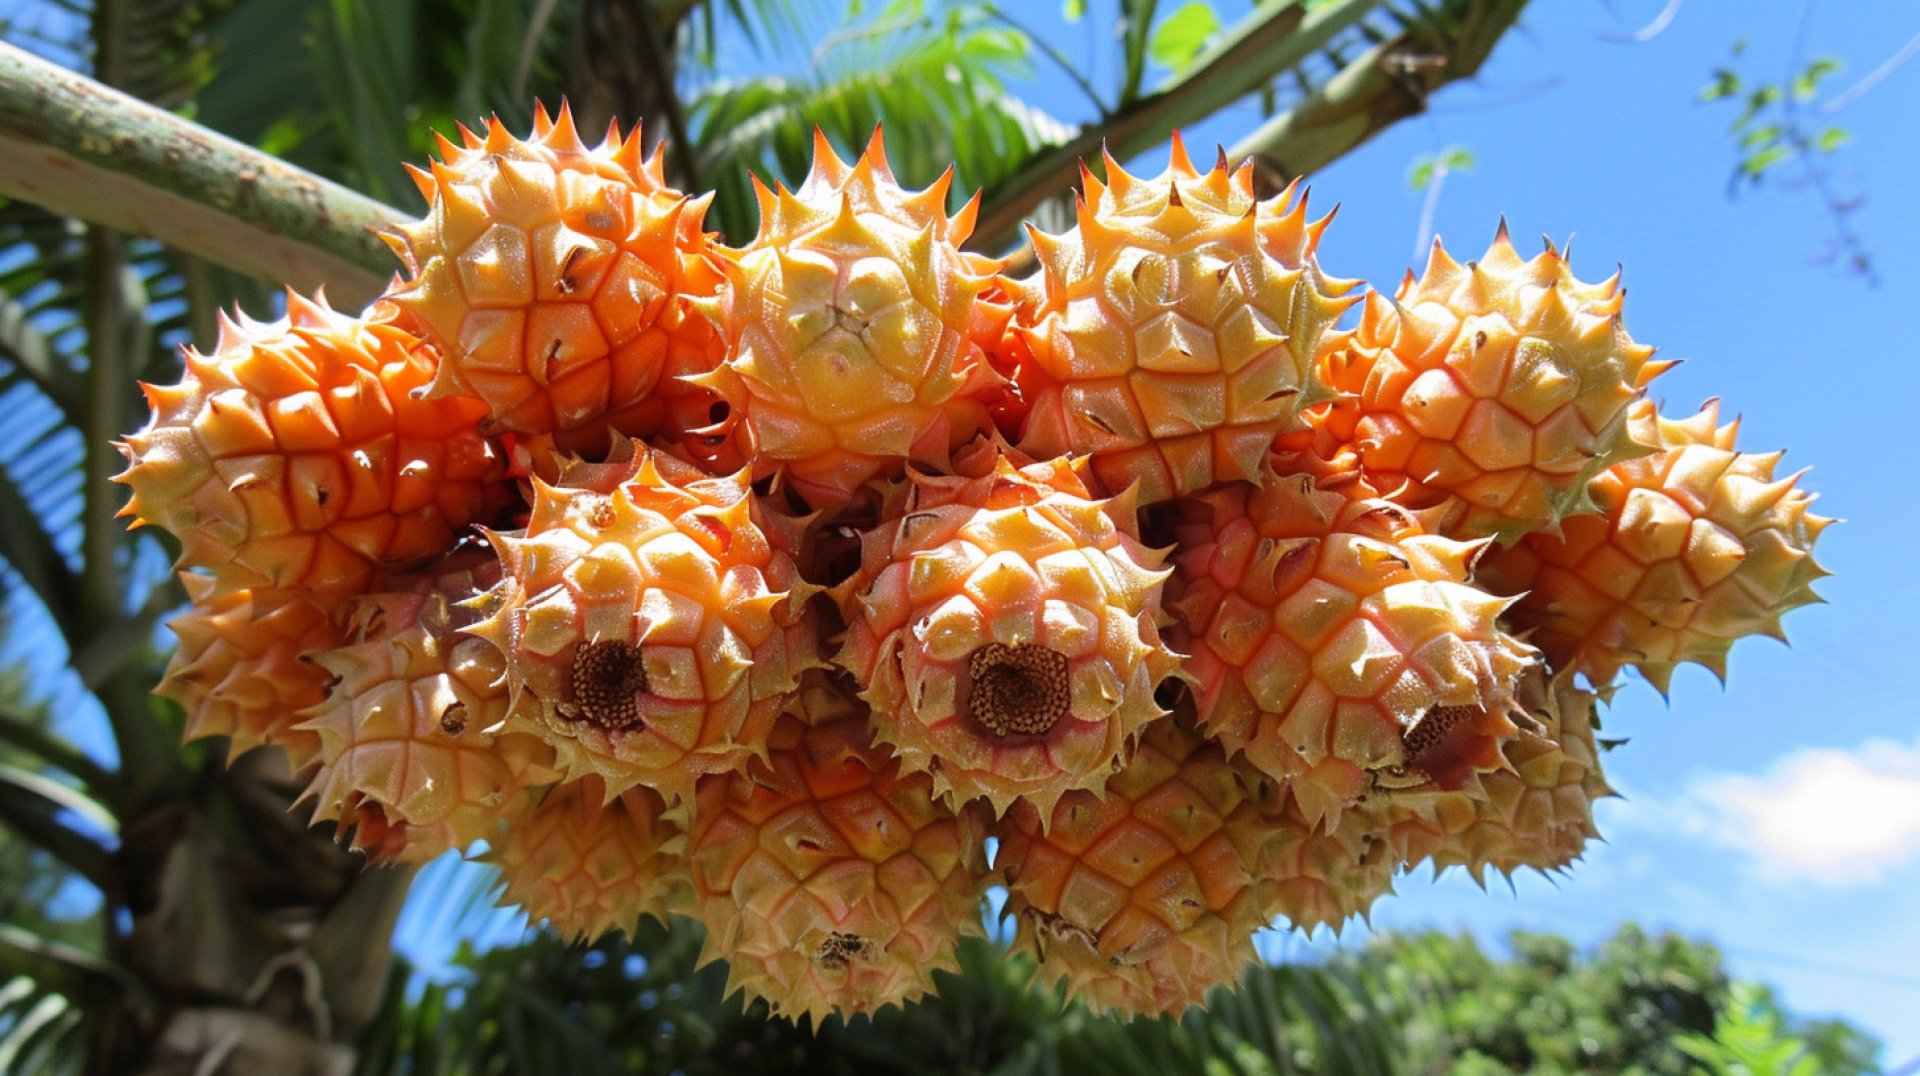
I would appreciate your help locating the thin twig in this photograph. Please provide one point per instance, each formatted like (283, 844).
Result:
(530, 44)
(1876, 77)
(1651, 30)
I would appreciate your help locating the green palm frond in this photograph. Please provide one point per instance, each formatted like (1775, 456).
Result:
(40, 1031)
(956, 63)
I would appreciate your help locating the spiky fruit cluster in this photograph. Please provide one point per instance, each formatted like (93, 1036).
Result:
(1170, 337)
(850, 324)
(1005, 628)
(1692, 546)
(588, 863)
(414, 756)
(1493, 390)
(1536, 812)
(1142, 896)
(831, 880)
(1407, 563)
(651, 625)
(244, 668)
(300, 455)
(1332, 639)
(558, 283)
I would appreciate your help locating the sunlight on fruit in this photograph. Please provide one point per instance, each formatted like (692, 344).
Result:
(813, 589)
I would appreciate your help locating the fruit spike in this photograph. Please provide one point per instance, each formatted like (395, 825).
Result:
(1140, 897)
(414, 758)
(299, 455)
(1695, 545)
(829, 880)
(1493, 390)
(1332, 638)
(851, 321)
(1170, 336)
(652, 623)
(1004, 626)
(556, 282)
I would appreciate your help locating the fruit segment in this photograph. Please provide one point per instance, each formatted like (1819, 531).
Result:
(301, 455)
(830, 880)
(1331, 639)
(557, 282)
(1694, 546)
(1005, 629)
(1170, 336)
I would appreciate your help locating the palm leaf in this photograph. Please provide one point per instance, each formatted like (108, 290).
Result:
(956, 61)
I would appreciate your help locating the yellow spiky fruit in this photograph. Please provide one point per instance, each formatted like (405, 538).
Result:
(1004, 627)
(851, 329)
(1330, 637)
(1535, 813)
(1694, 546)
(1493, 390)
(1140, 897)
(413, 756)
(299, 455)
(243, 667)
(587, 863)
(831, 881)
(558, 281)
(651, 621)
(1170, 336)
(1313, 875)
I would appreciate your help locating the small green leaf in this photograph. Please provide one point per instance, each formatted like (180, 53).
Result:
(1184, 33)
(1074, 10)
(1725, 83)
(1831, 139)
(1457, 159)
(1422, 174)
(1757, 164)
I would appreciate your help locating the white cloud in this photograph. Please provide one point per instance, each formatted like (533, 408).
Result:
(1821, 815)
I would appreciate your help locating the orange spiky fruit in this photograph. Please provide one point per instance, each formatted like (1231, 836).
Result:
(413, 757)
(1535, 813)
(588, 863)
(243, 667)
(1331, 636)
(557, 282)
(1493, 390)
(1005, 628)
(1694, 546)
(831, 881)
(851, 325)
(651, 620)
(299, 455)
(1140, 897)
(1170, 336)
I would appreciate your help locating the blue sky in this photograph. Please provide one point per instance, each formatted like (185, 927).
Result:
(1780, 816)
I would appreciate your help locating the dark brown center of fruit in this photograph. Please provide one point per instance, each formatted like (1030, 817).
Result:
(840, 949)
(608, 681)
(1432, 729)
(1017, 690)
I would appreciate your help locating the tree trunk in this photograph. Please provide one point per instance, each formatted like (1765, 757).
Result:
(266, 945)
